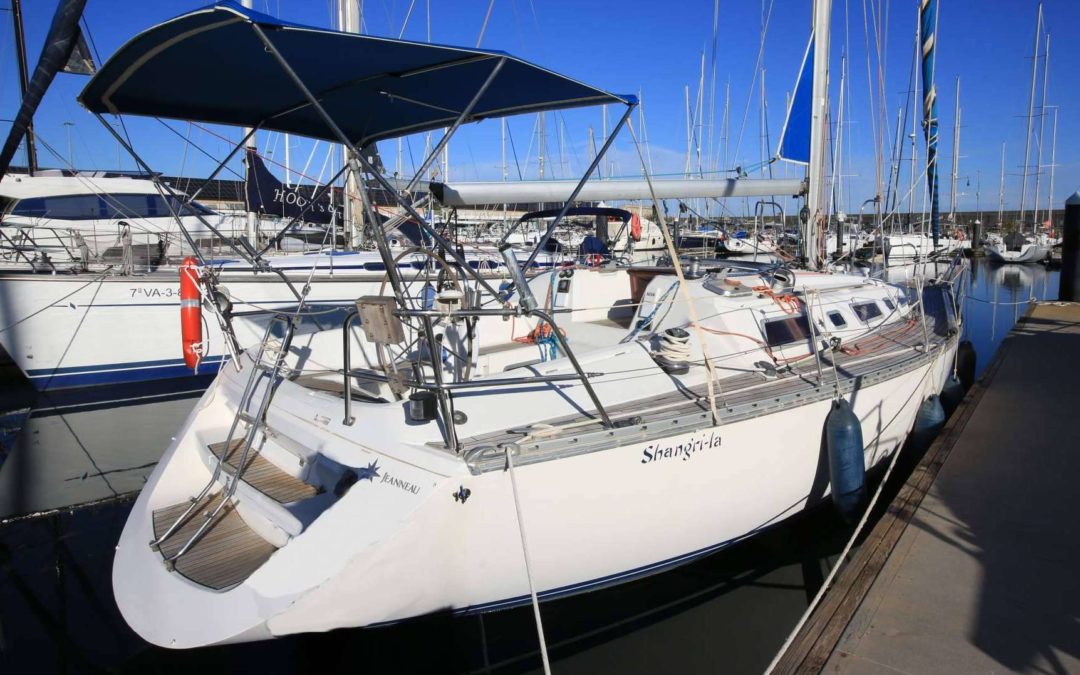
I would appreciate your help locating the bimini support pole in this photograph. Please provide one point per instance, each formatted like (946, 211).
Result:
(164, 186)
(577, 189)
(358, 160)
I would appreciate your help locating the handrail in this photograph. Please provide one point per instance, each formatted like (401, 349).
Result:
(249, 438)
(444, 389)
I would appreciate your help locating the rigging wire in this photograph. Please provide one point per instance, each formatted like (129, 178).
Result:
(757, 68)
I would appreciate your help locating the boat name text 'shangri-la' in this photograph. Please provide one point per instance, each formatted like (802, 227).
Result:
(656, 452)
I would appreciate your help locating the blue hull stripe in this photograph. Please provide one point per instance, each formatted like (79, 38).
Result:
(118, 373)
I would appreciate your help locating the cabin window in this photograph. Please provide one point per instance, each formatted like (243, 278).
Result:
(30, 208)
(130, 206)
(866, 311)
(785, 331)
(67, 207)
(837, 319)
(111, 206)
(889, 305)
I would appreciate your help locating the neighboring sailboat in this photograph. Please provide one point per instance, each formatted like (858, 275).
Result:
(1021, 245)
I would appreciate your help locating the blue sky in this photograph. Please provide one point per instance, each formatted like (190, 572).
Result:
(655, 48)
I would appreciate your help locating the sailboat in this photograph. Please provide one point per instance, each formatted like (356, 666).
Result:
(363, 472)
(1018, 246)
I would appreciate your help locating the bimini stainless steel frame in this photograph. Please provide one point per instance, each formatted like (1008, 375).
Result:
(359, 164)
(443, 390)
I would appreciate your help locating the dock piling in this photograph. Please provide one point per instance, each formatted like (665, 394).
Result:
(1069, 283)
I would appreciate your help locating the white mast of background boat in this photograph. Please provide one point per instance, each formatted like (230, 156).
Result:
(1030, 116)
(1001, 190)
(955, 155)
(349, 14)
(1042, 130)
(251, 228)
(1053, 162)
(819, 121)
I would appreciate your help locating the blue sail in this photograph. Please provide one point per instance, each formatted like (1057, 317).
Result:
(795, 138)
(928, 25)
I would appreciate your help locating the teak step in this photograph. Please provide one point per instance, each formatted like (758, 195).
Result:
(227, 553)
(261, 474)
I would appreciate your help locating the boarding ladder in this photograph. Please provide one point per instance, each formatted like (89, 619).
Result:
(268, 365)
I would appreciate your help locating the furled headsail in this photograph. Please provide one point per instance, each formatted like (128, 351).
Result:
(58, 53)
(928, 34)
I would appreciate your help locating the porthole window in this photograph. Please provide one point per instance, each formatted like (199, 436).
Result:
(837, 319)
(786, 331)
(866, 311)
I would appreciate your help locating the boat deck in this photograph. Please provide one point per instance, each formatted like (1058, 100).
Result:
(263, 475)
(984, 578)
(225, 555)
(880, 355)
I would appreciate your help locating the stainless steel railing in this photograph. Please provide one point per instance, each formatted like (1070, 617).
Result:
(443, 390)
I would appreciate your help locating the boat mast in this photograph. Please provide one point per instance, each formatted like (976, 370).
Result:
(251, 219)
(819, 125)
(349, 22)
(541, 135)
(1042, 130)
(955, 154)
(502, 121)
(1031, 112)
(914, 135)
(1053, 163)
(699, 114)
(603, 134)
(288, 179)
(689, 135)
(928, 39)
(24, 81)
(1001, 189)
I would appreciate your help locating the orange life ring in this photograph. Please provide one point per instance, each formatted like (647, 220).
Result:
(190, 312)
(958, 234)
(635, 227)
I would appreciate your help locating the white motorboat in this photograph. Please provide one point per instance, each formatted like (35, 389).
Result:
(918, 245)
(366, 473)
(1015, 247)
(54, 214)
(75, 329)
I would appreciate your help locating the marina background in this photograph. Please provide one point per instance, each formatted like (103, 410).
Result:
(731, 609)
(637, 47)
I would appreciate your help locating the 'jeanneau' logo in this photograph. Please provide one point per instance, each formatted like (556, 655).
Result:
(400, 484)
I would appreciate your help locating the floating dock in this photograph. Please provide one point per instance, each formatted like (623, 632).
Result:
(974, 566)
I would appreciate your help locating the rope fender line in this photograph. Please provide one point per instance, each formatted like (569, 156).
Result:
(509, 451)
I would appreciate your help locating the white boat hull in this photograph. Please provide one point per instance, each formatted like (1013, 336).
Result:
(1028, 253)
(412, 549)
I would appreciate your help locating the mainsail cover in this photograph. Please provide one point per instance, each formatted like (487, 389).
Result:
(558, 191)
(63, 36)
(265, 194)
(795, 136)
